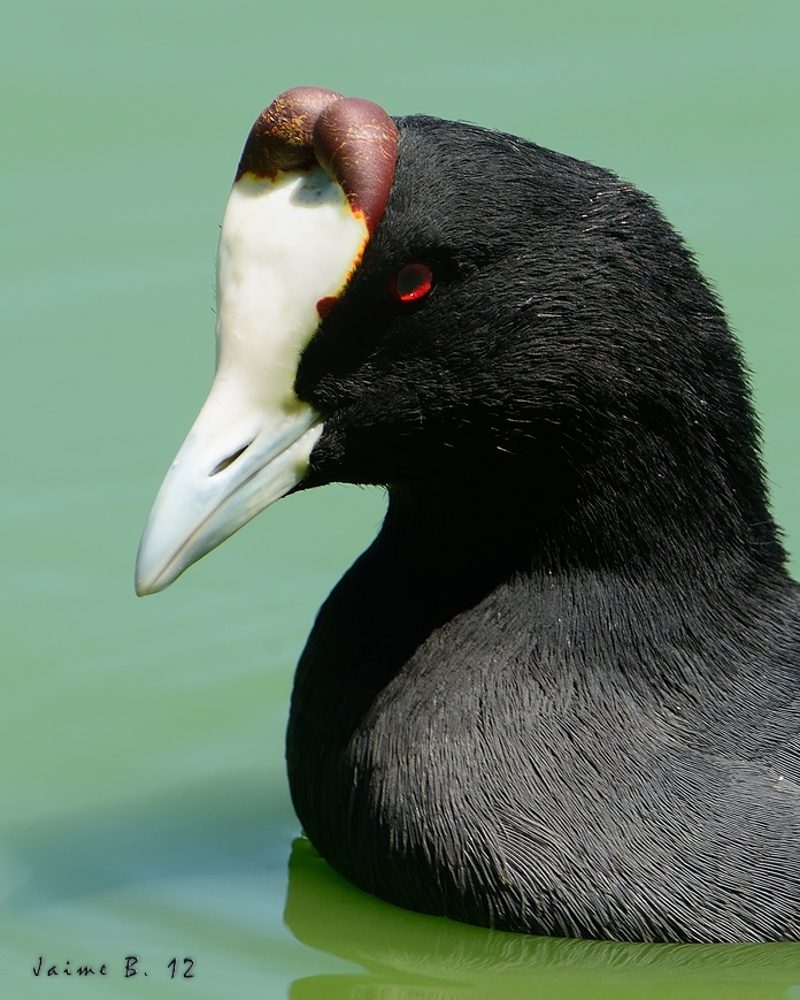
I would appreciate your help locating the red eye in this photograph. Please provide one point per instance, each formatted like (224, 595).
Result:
(411, 283)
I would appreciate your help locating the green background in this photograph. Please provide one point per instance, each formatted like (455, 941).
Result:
(145, 808)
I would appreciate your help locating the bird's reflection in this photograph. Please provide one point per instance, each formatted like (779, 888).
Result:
(409, 956)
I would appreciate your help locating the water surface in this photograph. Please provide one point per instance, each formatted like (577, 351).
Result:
(145, 807)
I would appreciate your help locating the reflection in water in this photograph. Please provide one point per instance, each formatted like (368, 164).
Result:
(410, 956)
(164, 837)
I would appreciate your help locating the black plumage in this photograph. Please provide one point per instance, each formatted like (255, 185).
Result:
(559, 692)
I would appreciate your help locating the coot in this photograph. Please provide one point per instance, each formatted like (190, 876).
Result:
(558, 694)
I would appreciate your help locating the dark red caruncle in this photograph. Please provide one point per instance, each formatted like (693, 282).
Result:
(282, 136)
(353, 139)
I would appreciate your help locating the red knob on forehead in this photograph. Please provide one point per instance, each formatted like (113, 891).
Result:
(356, 141)
(353, 139)
(282, 135)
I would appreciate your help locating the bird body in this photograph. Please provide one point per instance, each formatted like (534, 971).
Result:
(576, 753)
(559, 692)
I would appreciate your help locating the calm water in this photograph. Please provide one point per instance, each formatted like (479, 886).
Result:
(144, 801)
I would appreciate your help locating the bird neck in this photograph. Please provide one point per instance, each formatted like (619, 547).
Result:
(463, 558)
(684, 537)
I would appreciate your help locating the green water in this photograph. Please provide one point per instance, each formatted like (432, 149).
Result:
(145, 808)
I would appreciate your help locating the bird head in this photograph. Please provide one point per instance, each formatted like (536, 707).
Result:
(416, 301)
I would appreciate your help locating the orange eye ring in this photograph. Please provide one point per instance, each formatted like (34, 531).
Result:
(411, 283)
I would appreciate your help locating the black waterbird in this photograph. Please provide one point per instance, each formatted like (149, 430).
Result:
(559, 692)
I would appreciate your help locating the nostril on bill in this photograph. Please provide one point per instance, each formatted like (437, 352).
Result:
(226, 462)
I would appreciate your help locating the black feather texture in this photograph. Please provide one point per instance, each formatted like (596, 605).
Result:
(559, 692)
